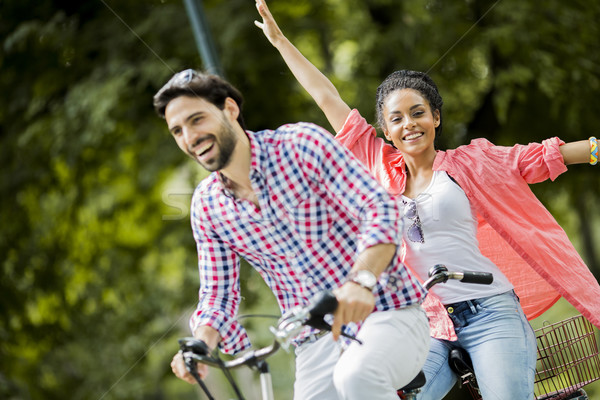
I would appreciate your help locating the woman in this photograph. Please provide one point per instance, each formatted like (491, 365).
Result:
(469, 208)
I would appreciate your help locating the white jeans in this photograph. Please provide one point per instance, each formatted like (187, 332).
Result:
(395, 346)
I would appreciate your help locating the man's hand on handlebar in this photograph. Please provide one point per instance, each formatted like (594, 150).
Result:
(355, 303)
(180, 370)
(209, 338)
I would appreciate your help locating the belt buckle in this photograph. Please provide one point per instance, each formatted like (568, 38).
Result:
(312, 337)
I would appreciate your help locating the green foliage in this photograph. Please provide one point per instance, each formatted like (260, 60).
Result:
(98, 266)
(92, 276)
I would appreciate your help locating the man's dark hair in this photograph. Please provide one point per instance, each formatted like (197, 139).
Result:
(191, 83)
(406, 79)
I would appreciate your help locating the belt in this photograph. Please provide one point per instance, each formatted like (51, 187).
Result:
(470, 303)
(311, 338)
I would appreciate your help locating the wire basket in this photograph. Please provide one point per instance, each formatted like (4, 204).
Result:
(567, 358)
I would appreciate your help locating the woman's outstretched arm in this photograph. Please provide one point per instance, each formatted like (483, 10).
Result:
(314, 82)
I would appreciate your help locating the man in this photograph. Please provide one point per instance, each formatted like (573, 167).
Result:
(308, 217)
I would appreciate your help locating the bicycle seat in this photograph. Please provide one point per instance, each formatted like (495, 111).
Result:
(416, 383)
(460, 362)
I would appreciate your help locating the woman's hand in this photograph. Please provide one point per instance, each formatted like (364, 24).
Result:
(268, 25)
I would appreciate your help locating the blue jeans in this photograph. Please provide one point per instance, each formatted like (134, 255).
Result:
(502, 346)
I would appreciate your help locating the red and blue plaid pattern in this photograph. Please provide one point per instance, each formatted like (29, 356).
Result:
(319, 208)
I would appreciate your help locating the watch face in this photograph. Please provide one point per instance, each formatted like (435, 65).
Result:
(366, 278)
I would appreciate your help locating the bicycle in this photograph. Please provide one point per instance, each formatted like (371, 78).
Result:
(288, 326)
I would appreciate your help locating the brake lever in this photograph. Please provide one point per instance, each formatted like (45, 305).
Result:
(313, 315)
(195, 347)
(318, 322)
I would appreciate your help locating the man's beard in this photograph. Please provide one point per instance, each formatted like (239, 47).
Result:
(226, 141)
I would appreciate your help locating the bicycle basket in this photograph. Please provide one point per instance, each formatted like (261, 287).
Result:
(567, 358)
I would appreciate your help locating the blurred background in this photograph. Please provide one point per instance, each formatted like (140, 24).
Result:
(98, 261)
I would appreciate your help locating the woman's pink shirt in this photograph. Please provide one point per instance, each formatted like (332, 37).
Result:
(515, 230)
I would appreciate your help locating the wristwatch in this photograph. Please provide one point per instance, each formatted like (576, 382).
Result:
(364, 278)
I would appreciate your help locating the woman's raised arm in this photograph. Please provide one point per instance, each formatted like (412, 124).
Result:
(312, 80)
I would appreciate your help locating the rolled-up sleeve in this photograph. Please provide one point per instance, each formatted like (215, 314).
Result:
(219, 294)
(541, 161)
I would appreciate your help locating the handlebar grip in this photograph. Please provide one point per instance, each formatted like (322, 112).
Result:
(194, 345)
(483, 278)
(323, 303)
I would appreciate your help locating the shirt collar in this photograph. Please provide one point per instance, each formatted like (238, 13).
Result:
(256, 153)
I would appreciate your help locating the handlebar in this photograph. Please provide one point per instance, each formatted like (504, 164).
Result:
(288, 326)
(440, 274)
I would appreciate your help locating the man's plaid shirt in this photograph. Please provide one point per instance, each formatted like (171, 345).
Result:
(319, 208)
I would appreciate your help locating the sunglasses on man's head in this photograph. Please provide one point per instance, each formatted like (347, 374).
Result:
(182, 77)
(179, 79)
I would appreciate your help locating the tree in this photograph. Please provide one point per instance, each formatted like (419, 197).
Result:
(93, 275)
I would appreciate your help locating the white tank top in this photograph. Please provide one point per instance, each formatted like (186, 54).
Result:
(449, 230)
